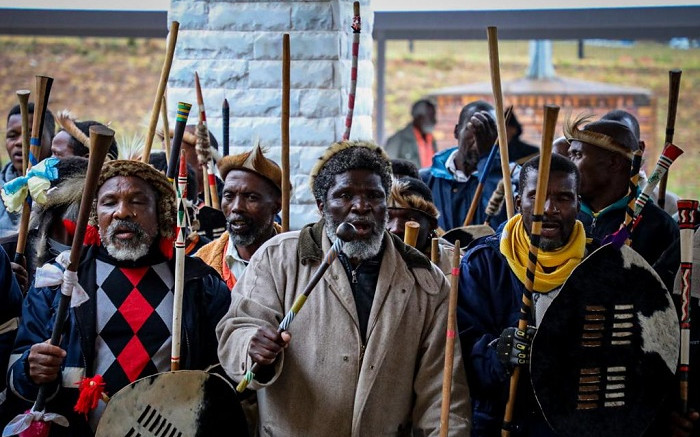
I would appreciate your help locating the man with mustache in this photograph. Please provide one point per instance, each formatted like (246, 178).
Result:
(123, 331)
(368, 347)
(602, 151)
(454, 175)
(251, 198)
(491, 285)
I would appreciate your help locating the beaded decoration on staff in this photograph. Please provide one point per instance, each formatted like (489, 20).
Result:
(356, 28)
(181, 192)
(687, 210)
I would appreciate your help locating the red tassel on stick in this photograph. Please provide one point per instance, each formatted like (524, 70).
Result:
(91, 391)
(92, 236)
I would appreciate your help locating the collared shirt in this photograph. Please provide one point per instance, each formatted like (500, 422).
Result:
(234, 261)
(452, 168)
(9, 222)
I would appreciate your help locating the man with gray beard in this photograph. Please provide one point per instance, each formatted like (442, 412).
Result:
(251, 198)
(123, 331)
(368, 350)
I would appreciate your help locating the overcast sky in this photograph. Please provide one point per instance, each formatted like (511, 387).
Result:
(378, 5)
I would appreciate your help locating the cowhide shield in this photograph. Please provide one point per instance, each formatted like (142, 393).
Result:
(467, 234)
(186, 403)
(605, 353)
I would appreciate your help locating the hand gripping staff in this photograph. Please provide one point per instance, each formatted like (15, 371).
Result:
(36, 421)
(344, 233)
(687, 211)
(550, 120)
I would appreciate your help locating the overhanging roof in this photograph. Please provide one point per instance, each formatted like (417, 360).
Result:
(613, 23)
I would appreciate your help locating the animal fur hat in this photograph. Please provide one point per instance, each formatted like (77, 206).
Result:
(412, 193)
(253, 161)
(606, 134)
(166, 206)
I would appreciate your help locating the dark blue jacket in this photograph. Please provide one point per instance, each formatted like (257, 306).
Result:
(655, 232)
(205, 301)
(490, 297)
(453, 198)
(10, 310)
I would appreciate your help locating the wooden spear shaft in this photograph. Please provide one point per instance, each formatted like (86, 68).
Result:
(284, 126)
(450, 344)
(494, 62)
(164, 75)
(674, 86)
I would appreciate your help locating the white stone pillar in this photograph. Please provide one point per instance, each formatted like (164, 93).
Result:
(236, 48)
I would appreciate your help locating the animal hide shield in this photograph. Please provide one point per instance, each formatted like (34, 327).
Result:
(605, 353)
(186, 403)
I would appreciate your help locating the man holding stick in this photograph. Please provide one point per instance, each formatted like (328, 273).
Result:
(602, 151)
(367, 355)
(251, 199)
(123, 331)
(491, 285)
(454, 175)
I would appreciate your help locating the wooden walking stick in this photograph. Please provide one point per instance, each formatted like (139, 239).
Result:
(435, 250)
(164, 74)
(183, 111)
(23, 96)
(204, 155)
(356, 28)
(36, 422)
(344, 233)
(410, 235)
(285, 131)
(450, 344)
(166, 127)
(674, 86)
(494, 62)
(632, 195)
(687, 210)
(225, 126)
(550, 120)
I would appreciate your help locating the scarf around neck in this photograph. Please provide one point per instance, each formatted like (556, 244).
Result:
(515, 247)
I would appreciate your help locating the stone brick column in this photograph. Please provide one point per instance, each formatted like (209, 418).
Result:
(236, 48)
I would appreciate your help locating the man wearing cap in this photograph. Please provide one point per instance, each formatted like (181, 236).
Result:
(411, 200)
(123, 331)
(251, 198)
(367, 351)
(602, 151)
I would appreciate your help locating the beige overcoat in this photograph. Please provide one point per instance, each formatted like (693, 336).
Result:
(328, 383)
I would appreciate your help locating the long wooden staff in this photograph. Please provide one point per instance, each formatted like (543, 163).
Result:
(494, 62)
(356, 28)
(225, 127)
(410, 234)
(344, 233)
(687, 209)
(23, 96)
(284, 126)
(183, 111)
(450, 344)
(550, 120)
(211, 196)
(166, 127)
(435, 250)
(164, 74)
(674, 86)
(179, 263)
(100, 140)
(632, 195)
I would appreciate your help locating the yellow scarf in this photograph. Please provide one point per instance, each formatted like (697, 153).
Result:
(515, 246)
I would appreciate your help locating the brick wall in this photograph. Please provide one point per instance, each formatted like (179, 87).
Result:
(236, 48)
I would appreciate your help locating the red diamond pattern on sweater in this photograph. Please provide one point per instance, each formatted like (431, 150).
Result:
(133, 358)
(134, 275)
(135, 310)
